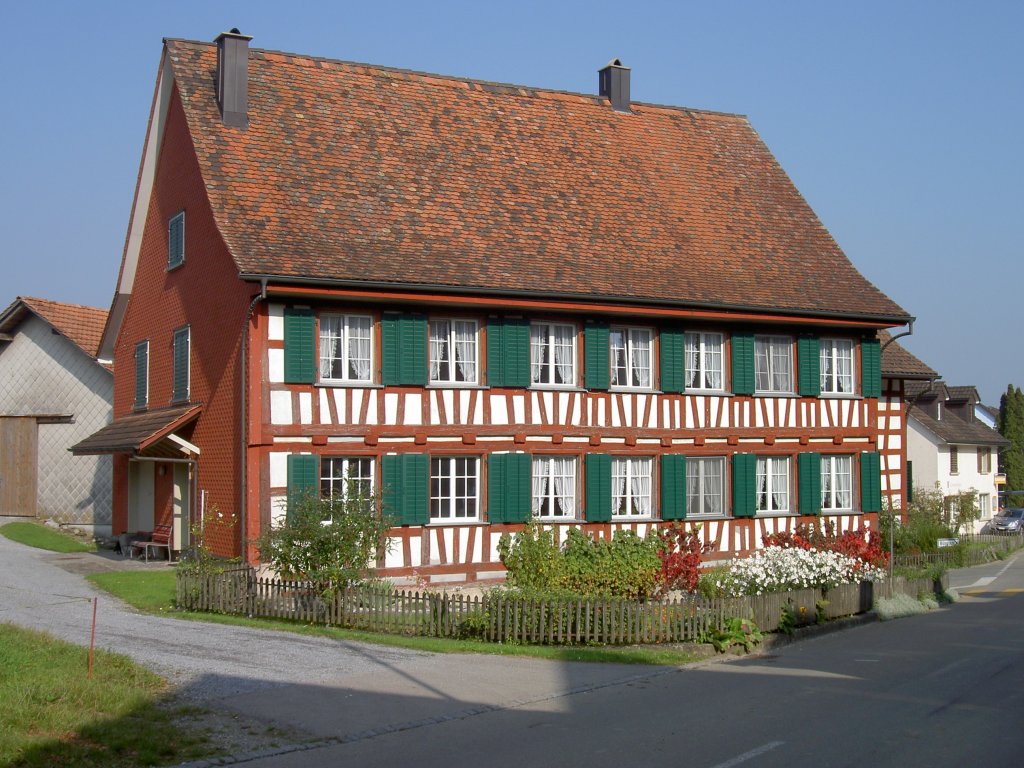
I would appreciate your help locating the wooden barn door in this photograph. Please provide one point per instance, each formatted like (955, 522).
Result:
(18, 459)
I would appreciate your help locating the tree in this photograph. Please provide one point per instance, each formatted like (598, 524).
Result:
(331, 542)
(1011, 426)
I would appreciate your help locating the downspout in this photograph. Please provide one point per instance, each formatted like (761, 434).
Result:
(244, 432)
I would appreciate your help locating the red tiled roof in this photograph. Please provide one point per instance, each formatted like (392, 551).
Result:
(82, 325)
(359, 174)
(898, 362)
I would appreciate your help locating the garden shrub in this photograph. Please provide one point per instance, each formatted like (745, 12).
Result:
(626, 566)
(780, 569)
(680, 555)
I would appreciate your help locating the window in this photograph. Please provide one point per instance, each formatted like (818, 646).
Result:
(837, 482)
(984, 461)
(705, 486)
(631, 357)
(837, 366)
(453, 351)
(182, 365)
(553, 491)
(553, 354)
(773, 363)
(176, 241)
(454, 488)
(142, 374)
(341, 475)
(704, 360)
(345, 347)
(954, 460)
(631, 487)
(772, 483)
(984, 506)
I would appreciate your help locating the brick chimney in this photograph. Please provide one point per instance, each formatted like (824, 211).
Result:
(613, 84)
(233, 78)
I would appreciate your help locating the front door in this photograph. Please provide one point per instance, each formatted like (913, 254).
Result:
(18, 465)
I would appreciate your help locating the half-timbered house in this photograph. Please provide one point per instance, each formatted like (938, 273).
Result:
(486, 301)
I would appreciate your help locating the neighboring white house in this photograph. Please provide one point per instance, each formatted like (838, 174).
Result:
(949, 447)
(53, 393)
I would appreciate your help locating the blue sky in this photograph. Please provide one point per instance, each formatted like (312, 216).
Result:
(900, 122)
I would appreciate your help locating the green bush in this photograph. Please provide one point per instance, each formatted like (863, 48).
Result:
(330, 542)
(626, 566)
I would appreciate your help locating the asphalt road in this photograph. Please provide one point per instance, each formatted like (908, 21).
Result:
(946, 688)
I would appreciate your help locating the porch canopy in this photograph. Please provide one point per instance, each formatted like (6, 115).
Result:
(152, 434)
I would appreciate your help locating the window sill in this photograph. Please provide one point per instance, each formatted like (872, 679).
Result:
(634, 390)
(708, 392)
(758, 393)
(454, 385)
(443, 523)
(839, 396)
(555, 388)
(348, 385)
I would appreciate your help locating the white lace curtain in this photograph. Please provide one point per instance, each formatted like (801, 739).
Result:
(465, 350)
(358, 329)
(640, 347)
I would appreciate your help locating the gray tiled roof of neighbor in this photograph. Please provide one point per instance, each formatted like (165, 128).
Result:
(954, 430)
(131, 433)
(898, 362)
(364, 175)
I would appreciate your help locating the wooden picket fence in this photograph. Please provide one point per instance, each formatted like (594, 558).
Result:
(501, 617)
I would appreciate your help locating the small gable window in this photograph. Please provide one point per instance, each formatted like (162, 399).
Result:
(142, 374)
(176, 241)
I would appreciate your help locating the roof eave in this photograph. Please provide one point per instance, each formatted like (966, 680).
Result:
(880, 321)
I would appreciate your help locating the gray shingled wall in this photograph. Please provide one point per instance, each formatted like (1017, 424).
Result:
(41, 372)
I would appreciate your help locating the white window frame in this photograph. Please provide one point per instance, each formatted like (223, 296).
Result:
(632, 350)
(444, 506)
(773, 479)
(834, 469)
(549, 344)
(832, 353)
(984, 461)
(550, 499)
(772, 354)
(336, 475)
(629, 476)
(344, 340)
(984, 506)
(954, 460)
(701, 497)
(700, 351)
(443, 351)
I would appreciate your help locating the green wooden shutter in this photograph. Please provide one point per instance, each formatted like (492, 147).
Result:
(910, 481)
(181, 364)
(744, 484)
(508, 487)
(176, 241)
(299, 346)
(142, 374)
(599, 488)
(508, 353)
(404, 349)
(809, 469)
(673, 360)
(303, 480)
(743, 363)
(596, 369)
(673, 487)
(406, 479)
(870, 482)
(870, 368)
(808, 350)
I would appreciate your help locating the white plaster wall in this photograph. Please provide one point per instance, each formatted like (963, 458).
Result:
(41, 372)
(923, 450)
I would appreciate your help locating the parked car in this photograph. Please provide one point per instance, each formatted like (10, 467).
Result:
(1008, 521)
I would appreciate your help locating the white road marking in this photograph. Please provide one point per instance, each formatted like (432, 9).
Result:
(750, 755)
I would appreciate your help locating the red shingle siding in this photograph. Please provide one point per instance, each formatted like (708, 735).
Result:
(206, 294)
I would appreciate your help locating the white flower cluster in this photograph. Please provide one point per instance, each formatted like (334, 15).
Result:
(778, 569)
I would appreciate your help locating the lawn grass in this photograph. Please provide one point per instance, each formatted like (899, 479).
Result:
(42, 537)
(52, 714)
(153, 592)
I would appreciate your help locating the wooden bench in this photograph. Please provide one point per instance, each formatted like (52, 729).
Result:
(161, 538)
